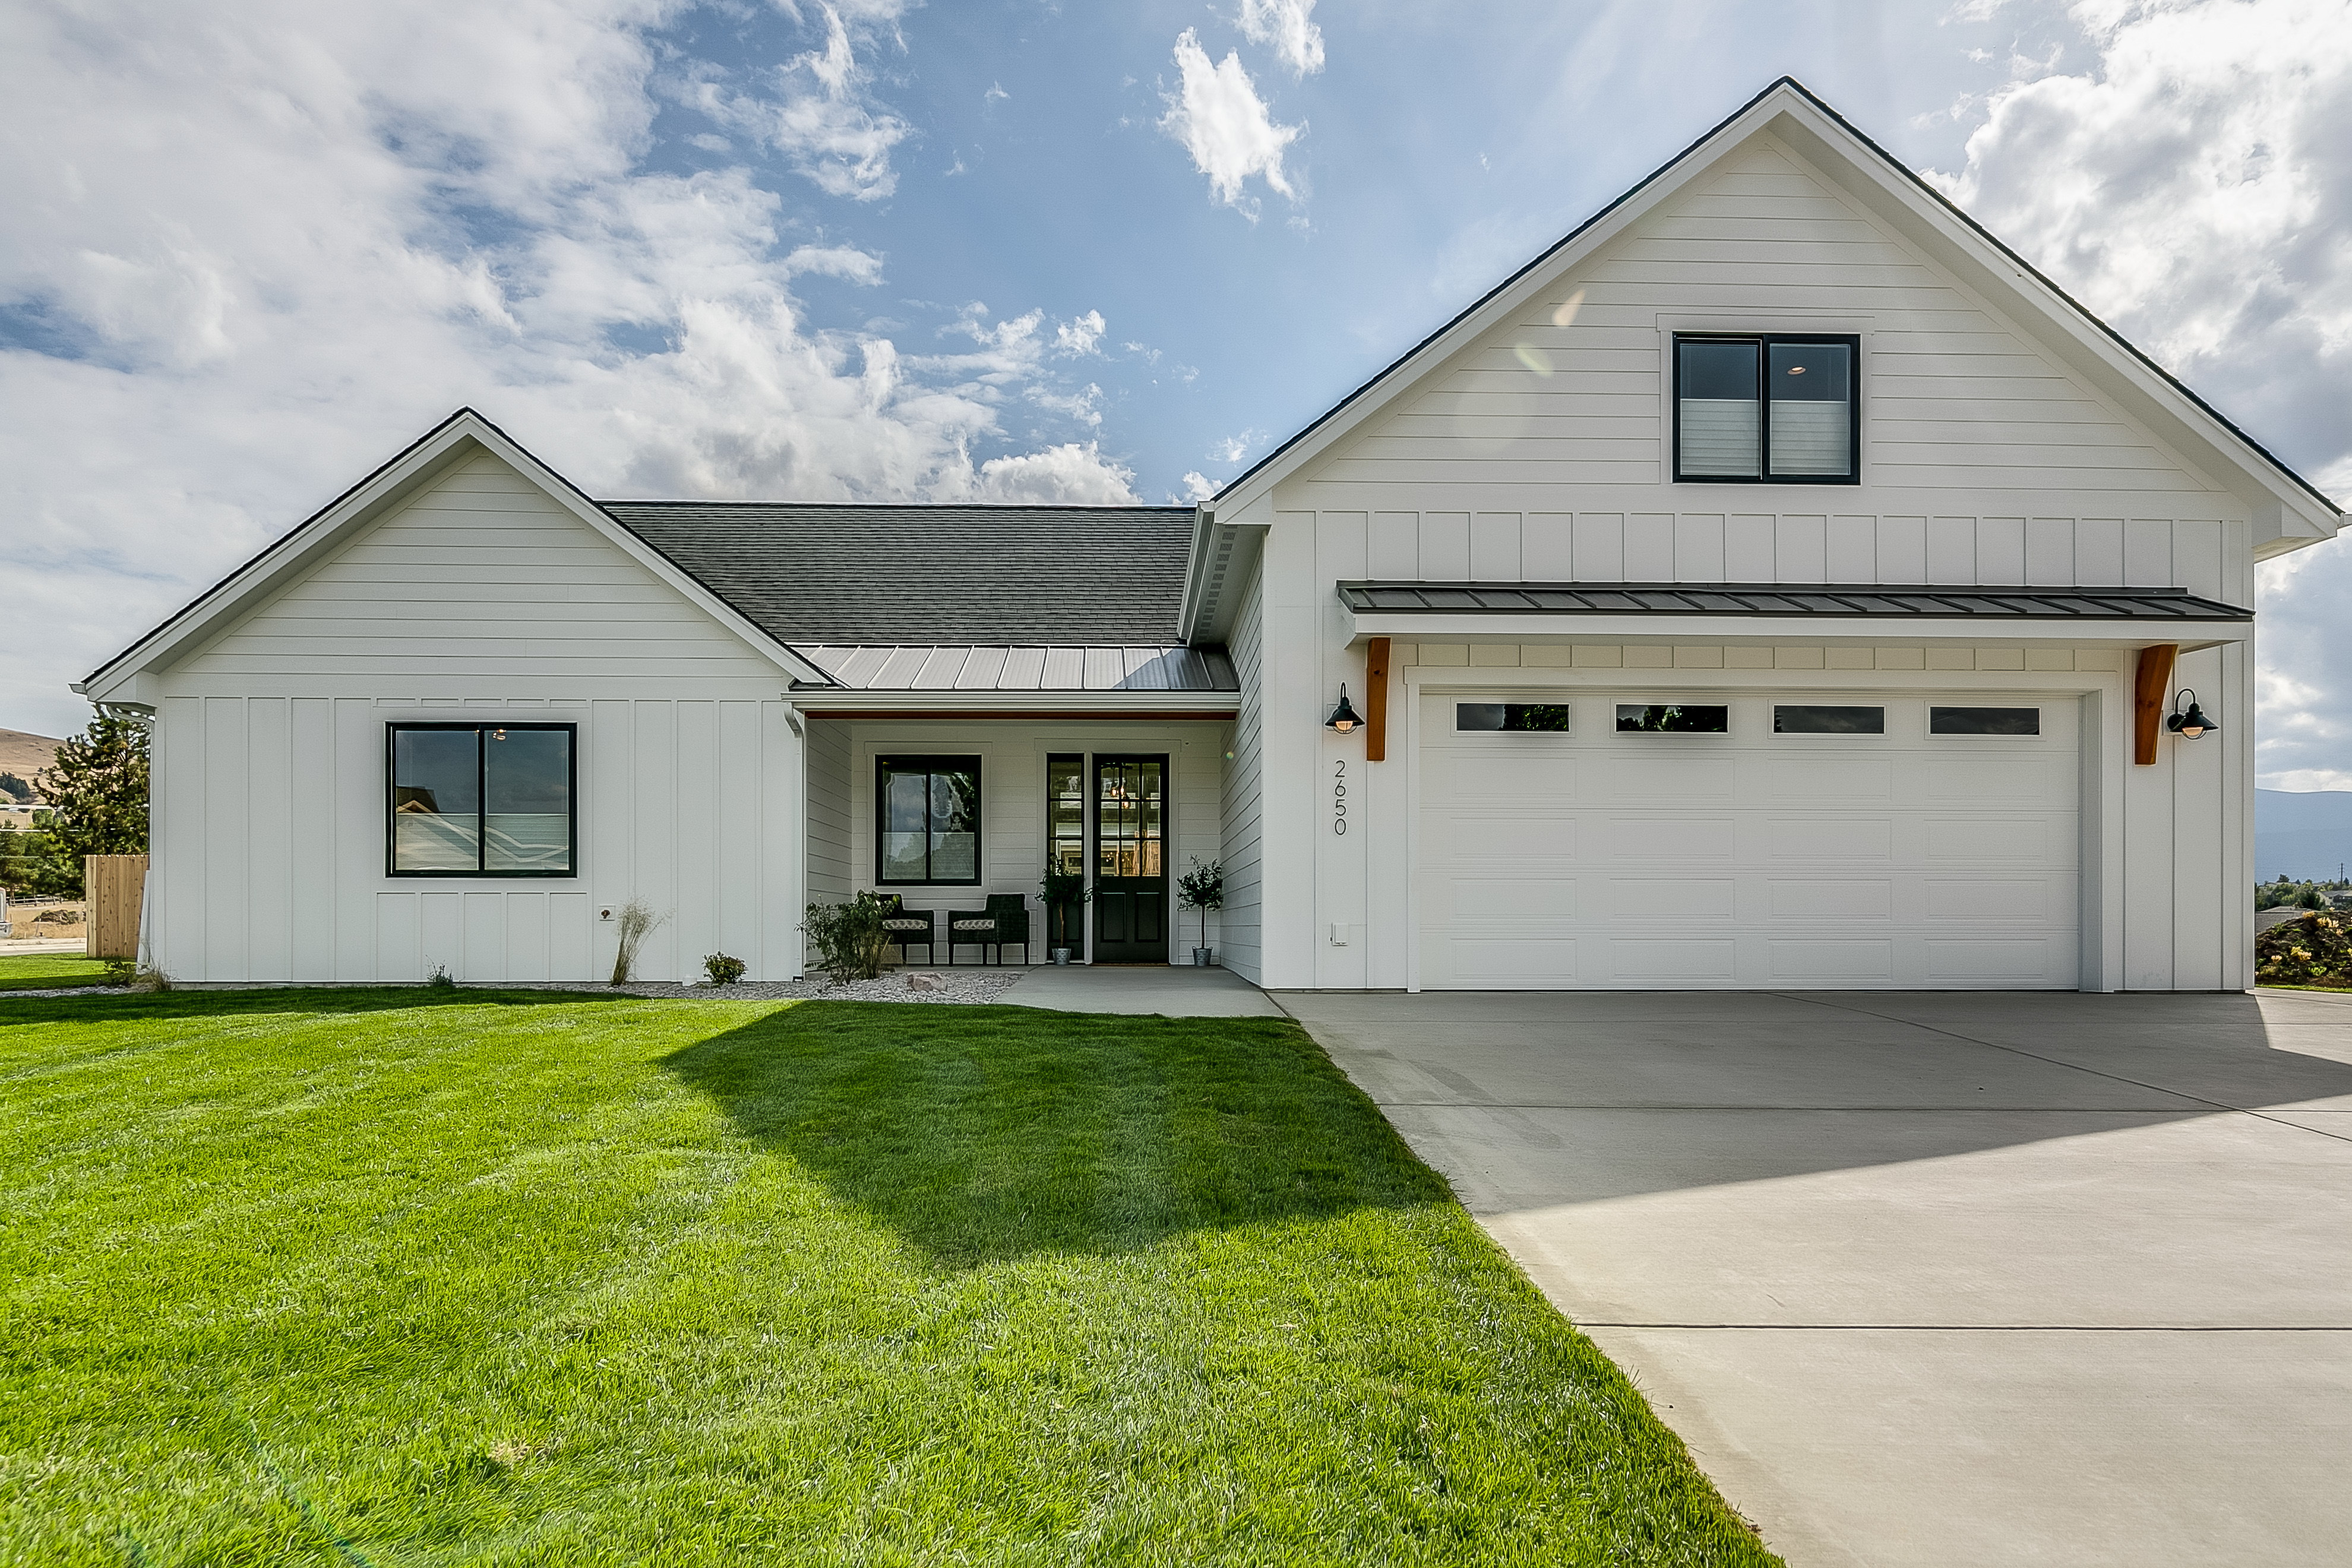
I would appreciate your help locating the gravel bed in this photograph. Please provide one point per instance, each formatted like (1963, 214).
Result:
(952, 985)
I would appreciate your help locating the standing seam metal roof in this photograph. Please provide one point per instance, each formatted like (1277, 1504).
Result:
(931, 575)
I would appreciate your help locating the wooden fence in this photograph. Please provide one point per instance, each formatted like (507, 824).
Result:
(114, 885)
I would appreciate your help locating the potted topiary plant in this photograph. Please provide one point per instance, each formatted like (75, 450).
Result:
(1204, 889)
(1062, 892)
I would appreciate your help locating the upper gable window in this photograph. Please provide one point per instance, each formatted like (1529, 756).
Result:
(1766, 409)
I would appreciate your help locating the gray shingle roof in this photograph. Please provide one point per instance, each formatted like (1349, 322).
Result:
(1781, 599)
(814, 573)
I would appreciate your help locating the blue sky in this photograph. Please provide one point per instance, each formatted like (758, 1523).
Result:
(1010, 250)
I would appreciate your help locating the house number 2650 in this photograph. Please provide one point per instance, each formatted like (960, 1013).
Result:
(1339, 795)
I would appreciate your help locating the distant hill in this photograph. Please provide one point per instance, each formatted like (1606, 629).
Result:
(26, 755)
(2306, 834)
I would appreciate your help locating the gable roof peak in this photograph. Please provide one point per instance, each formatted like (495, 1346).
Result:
(1820, 135)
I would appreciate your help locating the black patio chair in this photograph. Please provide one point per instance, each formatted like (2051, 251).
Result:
(1005, 923)
(904, 927)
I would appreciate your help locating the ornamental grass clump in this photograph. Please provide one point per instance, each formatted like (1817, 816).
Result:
(637, 921)
(2309, 950)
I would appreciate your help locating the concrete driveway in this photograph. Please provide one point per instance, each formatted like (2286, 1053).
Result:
(1949, 1278)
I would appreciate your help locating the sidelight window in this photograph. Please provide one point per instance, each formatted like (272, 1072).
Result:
(928, 820)
(482, 800)
(1767, 408)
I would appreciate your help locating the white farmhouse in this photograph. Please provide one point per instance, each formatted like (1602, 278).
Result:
(1778, 582)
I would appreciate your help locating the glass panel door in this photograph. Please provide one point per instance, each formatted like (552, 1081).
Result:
(1131, 875)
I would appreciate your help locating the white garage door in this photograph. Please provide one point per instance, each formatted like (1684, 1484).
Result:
(1665, 840)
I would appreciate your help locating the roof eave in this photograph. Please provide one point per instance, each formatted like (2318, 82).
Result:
(2299, 513)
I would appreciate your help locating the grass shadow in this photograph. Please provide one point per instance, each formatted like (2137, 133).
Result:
(983, 1133)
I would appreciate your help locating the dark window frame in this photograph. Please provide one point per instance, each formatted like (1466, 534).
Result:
(392, 867)
(929, 763)
(1764, 474)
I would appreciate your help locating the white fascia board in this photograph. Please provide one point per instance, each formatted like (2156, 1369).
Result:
(2287, 515)
(2191, 433)
(1225, 553)
(1879, 631)
(1511, 296)
(980, 704)
(410, 472)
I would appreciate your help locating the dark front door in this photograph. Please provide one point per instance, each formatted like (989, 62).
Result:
(1130, 869)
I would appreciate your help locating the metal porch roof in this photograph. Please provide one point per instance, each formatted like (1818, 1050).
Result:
(1784, 599)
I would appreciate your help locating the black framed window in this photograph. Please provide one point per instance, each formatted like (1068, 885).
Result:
(1521, 717)
(1808, 719)
(482, 800)
(1781, 407)
(927, 820)
(1674, 719)
(1065, 813)
(1984, 721)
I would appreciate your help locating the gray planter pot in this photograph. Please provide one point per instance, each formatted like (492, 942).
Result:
(1061, 955)
(1203, 957)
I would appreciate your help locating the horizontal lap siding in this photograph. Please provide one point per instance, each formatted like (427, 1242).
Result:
(481, 601)
(1013, 801)
(483, 572)
(1243, 804)
(828, 810)
(1972, 433)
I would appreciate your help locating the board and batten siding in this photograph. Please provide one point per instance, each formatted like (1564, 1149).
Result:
(1540, 450)
(1242, 805)
(478, 601)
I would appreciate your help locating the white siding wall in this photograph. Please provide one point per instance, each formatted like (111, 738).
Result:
(1542, 452)
(829, 877)
(1243, 793)
(480, 601)
(1012, 802)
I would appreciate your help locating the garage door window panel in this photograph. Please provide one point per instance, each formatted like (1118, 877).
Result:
(1984, 721)
(1674, 719)
(1813, 718)
(1511, 717)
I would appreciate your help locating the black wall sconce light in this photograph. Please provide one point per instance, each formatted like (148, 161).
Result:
(2191, 724)
(1344, 718)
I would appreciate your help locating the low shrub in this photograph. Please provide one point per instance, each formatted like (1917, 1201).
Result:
(2309, 950)
(724, 970)
(850, 941)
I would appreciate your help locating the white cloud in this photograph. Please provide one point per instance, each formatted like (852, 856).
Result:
(1289, 26)
(2193, 189)
(1079, 337)
(844, 261)
(1233, 448)
(254, 247)
(1198, 487)
(823, 118)
(1219, 118)
(1068, 475)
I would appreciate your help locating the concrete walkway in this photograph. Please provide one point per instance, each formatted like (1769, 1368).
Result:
(1178, 993)
(1936, 1280)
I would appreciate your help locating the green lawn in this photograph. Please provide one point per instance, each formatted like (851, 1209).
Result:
(380, 1277)
(47, 970)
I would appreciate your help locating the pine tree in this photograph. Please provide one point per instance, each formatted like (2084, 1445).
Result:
(95, 786)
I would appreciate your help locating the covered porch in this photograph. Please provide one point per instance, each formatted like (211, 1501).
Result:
(931, 779)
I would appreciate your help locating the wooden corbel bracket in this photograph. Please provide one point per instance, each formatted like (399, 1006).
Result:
(2151, 691)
